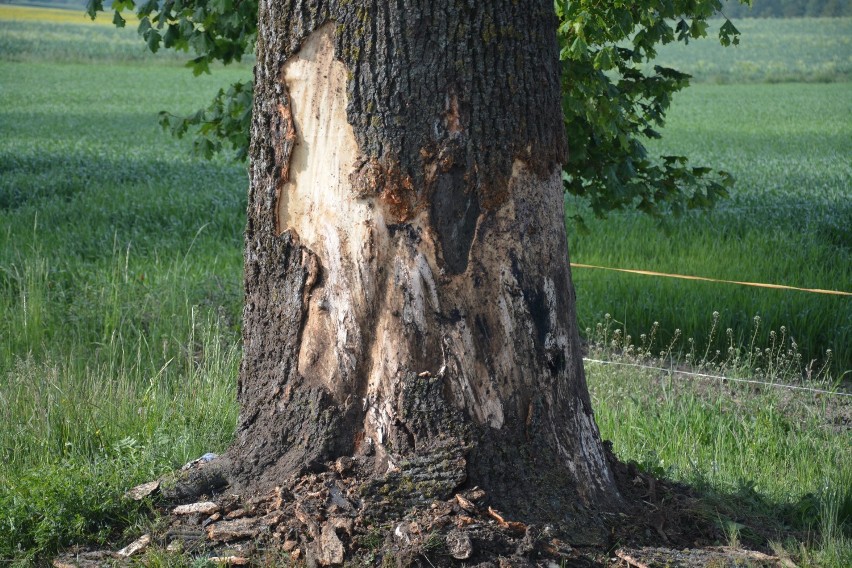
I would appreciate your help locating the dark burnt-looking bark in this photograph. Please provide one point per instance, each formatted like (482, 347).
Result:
(444, 350)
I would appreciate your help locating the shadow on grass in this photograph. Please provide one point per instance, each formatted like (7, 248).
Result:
(680, 515)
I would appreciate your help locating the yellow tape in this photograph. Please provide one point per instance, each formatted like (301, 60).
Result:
(703, 279)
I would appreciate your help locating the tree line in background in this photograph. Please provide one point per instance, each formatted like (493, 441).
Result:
(788, 9)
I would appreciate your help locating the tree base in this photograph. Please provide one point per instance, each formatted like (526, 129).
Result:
(344, 515)
(420, 512)
(328, 518)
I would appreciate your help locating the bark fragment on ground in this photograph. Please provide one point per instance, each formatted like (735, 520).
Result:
(342, 515)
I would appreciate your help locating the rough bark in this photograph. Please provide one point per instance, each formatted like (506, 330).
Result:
(408, 292)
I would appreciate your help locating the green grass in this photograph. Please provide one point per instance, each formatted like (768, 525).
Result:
(68, 35)
(788, 222)
(120, 288)
(776, 463)
(120, 297)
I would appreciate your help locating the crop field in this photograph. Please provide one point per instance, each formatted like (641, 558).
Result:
(121, 291)
(789, 221)
(783, 50)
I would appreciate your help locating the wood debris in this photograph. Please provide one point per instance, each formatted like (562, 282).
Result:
(136, 547)
(459, 545)
(201, 508)
(331, 551)
(229, 560)
(465, 504)
(515, 527)
(226, 531)
(141, 491)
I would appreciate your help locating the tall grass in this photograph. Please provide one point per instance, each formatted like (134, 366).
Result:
(788, 222)
(144, 386)
(775, 464)
(120, 288)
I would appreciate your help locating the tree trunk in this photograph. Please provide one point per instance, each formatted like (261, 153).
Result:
(408, 294)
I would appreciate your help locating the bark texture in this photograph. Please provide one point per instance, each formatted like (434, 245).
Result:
(408, 292)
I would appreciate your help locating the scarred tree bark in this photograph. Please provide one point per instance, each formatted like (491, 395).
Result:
(408, 293)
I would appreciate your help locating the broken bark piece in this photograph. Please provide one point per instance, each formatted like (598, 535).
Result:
(137, 546)
(236, 514)
(330, 548)
(141, 491)
(229, 560)
(344, 523)
(233, 530)
(201, 508)
(496, 516)
(211, 519)
(514, 527)
(465, 504)
(459, 545)
(344, 465)
(475, 494)
(278, 501)
(306, 519)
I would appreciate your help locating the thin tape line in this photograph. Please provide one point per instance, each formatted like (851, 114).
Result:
(705, 279)
(717, 377)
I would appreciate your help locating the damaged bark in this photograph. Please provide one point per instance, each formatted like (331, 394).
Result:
(409, 304)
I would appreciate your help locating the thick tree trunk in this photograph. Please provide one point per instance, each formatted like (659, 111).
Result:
(408, 293)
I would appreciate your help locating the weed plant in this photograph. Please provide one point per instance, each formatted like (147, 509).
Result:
(779, 362)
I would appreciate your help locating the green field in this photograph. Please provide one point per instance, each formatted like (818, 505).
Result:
(121, 290)
(783, 50)
(789, 221)
(789, 218)
(120, 281)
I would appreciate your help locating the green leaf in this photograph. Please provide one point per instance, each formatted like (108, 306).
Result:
(729, 34)
(604, 59)
(698, 28)
(153, 40)
(221, 6)
(199, 65)
(171, 37)
(118, 20)
(579, 49)
(93, 7)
